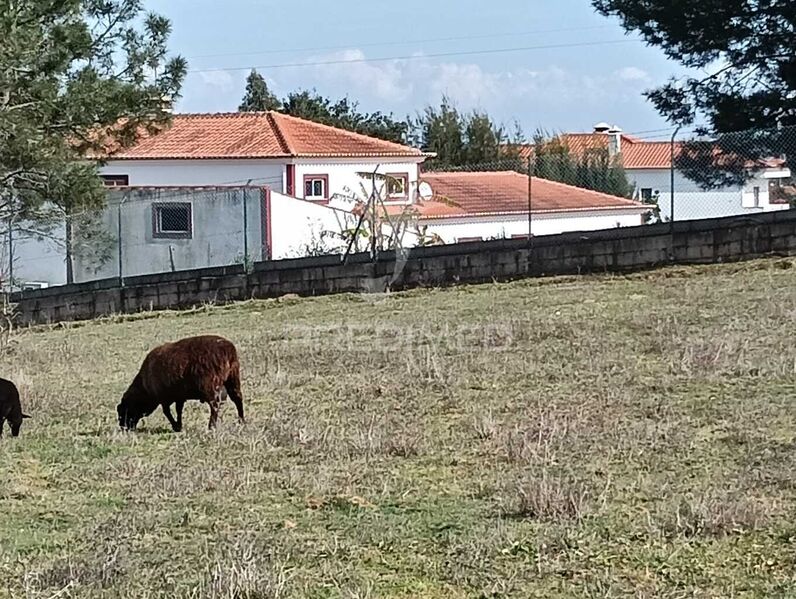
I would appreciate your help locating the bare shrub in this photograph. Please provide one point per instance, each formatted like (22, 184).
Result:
(243, 576)
(484, 425)
(550, 498)
(535, 442)
(100, 569)
(715, 515)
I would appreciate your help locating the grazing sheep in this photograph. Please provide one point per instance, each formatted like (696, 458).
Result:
(10, 407)
(204, 368)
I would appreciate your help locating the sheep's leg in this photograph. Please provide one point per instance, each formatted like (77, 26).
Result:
(176, 426)
(213, 399)
(232, 386)
(180, 406)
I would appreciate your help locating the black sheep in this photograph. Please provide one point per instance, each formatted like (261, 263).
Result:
(10, 407)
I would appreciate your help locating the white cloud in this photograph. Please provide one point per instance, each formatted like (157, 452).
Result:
(220, 80)
(632, 74)
(550, 96)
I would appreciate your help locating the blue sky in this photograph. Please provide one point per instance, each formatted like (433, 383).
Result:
(564, 88)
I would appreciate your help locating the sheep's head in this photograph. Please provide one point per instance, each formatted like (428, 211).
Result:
(129, 409)
(16, 424)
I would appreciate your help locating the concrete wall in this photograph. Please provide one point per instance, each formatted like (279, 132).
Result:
(36, 258)
(695, 242)
(453, 230)
(216, 238)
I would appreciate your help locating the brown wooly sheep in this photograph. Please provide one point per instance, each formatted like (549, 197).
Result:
(204, 368)
(10, 407)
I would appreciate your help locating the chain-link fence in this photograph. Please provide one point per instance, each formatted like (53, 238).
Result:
(610, 180)
(604, 180)
(140, 231)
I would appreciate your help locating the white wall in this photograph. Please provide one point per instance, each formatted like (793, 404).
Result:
(504, 227)
(267, 173)
(342, 173)
(692, 202)
(301, 228)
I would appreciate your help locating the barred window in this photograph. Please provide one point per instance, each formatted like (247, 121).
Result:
(172, 221)
(115, 180)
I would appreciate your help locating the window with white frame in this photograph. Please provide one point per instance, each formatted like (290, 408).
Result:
(316, 187)
(115, 180)
(397, 186)
(173, 220)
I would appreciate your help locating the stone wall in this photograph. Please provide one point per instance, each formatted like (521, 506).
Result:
(617, 250)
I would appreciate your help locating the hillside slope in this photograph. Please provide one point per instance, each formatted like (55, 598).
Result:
(592, 437)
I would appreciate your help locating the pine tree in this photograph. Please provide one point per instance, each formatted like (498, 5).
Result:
(258, 97)
(753, 89)
(78, 78)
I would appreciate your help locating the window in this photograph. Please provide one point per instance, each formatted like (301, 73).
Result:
(756, 193)
(172, 221)
(316, 187)
(646, 194)
(115, 180)
(781, 191)
(397, 186)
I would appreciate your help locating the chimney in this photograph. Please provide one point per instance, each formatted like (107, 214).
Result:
(614, 141)
(167, 104)
(602, 128)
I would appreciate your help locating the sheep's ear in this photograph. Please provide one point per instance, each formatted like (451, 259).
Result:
(26, 416)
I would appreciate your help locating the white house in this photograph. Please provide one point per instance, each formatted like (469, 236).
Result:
(473, 206)
(215, 189)
(180, 190)
(648, 166)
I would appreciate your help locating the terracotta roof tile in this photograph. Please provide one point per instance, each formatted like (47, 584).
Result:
(635, 153)
(493, 193)
(257, 135)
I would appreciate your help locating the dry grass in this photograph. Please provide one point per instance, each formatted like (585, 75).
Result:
(590, 437)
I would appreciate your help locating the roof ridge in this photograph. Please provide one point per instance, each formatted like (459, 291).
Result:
(342, 131)
(228, 114)
(280, 135)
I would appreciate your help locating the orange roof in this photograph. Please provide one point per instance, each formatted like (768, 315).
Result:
(250, 135)
(636, 153)
(498, 193)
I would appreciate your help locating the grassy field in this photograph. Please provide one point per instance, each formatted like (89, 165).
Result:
(580, 437)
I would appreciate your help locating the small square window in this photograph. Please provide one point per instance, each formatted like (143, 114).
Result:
(397, 186)
(115, 180)
(172, 221)
(315, 187)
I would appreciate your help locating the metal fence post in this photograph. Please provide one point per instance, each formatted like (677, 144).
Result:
(246, 226)
(119, 235)
(671, 192)
(11, 253)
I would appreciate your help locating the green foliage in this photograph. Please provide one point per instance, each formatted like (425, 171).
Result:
(77, 78)
(755, 87)
(595, 169)
(258, 97)
(344, 114)
(460, 140)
